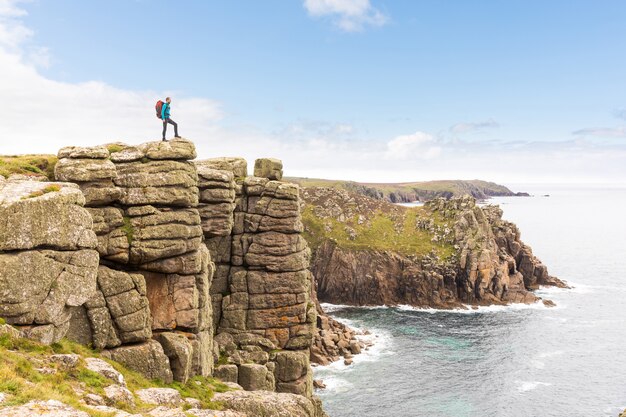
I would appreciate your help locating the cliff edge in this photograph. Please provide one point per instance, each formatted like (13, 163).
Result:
(176, 269)
(446, 254)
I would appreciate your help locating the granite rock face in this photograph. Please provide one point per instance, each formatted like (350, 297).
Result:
(149, 257)
(494, 265)
(261, 290)
(488, 264)
(155, 273)
(48, 264)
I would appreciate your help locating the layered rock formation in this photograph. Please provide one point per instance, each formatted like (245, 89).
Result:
(48, 262)
(467, 254)
(261, 293)
(152, 310)
(165, 254)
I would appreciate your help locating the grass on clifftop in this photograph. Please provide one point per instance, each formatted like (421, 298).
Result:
(28, 165)
(378, 232)
(26, 374)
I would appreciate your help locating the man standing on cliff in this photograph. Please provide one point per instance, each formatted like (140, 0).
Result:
(165, 115)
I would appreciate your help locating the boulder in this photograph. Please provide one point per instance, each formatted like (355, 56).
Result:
(226, 373)
(84, 170)
(46, 334)
(160, 396)
(10, 330)
(238, 166)
(291, 365)
(77, 152)
(66, 361)
(214, 178)
(105, 369)
(254, 377)
(116, 395)
(100, 193)
(179, 350)
(262, 403)
(270, 168)
(38, 214)
(146, 358)
(175, 149)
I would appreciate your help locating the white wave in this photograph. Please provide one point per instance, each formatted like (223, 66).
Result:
(470, 309)
(525, 386)
(331, 308)
(379, 342)
(335, 385)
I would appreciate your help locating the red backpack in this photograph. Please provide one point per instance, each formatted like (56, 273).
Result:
(159, 107)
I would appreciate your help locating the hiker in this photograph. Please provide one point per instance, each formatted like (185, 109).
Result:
(163, 113)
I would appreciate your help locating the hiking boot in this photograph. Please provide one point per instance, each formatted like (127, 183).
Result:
(164, 140)
(177, 136)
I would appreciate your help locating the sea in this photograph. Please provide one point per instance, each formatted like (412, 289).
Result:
(513, 361)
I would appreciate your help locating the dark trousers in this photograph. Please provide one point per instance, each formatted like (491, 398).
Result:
(170, 121)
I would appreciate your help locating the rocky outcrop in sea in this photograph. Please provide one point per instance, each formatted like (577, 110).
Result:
(476, 258)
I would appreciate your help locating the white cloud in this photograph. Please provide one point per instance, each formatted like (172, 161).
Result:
(348, 15)
(474, 126)
(307, 129)
(42, 115)
(602, 132)
(419, 145)
(12, 31)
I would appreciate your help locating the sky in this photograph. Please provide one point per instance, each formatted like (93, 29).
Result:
(368, 90)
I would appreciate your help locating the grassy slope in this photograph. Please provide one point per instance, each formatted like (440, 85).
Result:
(28, 165)
(379, 233)
(20, 378)
(382, 226)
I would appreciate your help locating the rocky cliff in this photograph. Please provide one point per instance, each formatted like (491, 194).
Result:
(173, 268)
(408, 192)
(447, 254)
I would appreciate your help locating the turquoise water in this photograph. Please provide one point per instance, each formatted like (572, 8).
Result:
(524, 361)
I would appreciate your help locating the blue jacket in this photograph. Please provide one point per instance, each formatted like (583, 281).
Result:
(165, 111)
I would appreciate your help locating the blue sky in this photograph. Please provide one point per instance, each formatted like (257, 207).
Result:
(515, 91)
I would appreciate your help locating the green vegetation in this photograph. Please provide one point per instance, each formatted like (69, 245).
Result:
(26, 374)
(114, 148)
(48, 189)
(128, 229)
(28, 165)
(378, 232)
